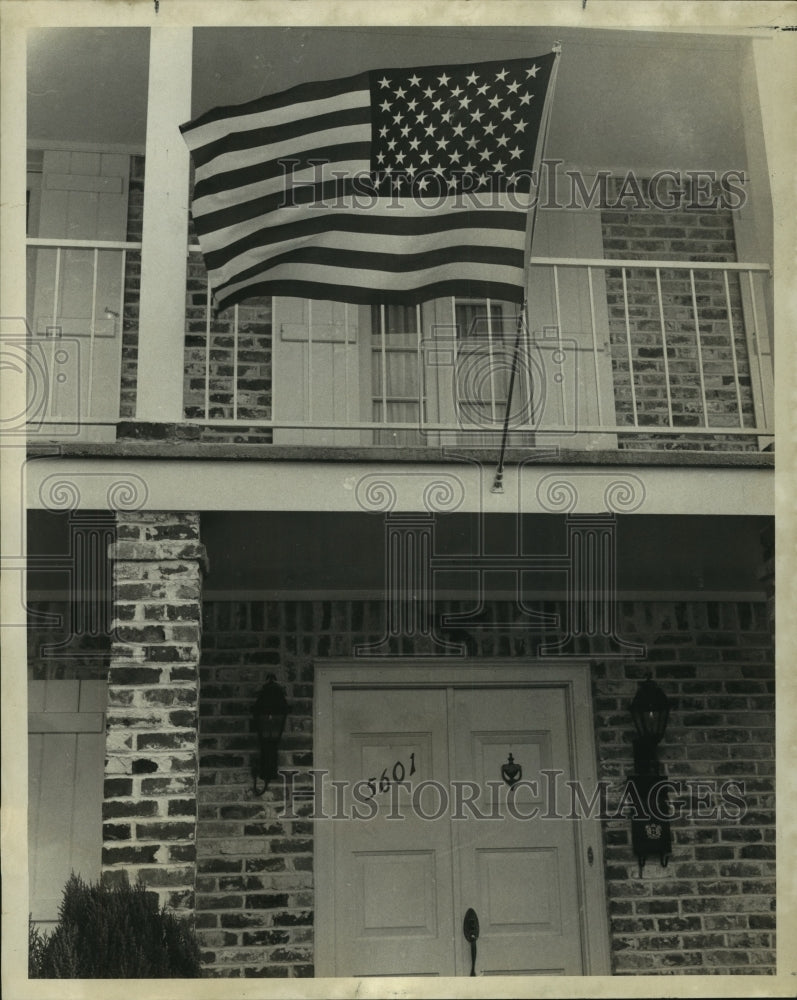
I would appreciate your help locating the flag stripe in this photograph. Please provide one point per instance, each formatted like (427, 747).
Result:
(286, 183)
(459, 227)
(492, 209)
(223, 119)
(207, 135)
(340, 285)
(271, 143)
(335, 291)
(291, 188)
(396, 264)
(471, 244)
(238, 213)
(308, 144)
(240, 182)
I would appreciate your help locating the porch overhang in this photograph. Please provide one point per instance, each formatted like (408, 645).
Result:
(133, 475)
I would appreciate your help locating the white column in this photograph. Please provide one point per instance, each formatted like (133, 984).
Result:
(764, 225)
(755, 218)
(165, 232)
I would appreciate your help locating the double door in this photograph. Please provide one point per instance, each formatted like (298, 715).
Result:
(447, 797)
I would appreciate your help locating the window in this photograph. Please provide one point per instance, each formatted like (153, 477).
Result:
(443, 366)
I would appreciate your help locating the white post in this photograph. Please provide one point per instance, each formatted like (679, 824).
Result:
(165, 232)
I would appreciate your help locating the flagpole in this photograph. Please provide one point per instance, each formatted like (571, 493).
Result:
(531, 221)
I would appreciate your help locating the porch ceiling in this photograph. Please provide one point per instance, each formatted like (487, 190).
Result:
(294, 553)
(624, 98)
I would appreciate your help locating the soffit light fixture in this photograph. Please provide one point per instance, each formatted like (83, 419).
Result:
(270, 712)
(650, 827)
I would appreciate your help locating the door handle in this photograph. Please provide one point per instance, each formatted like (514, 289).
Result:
(470, 928)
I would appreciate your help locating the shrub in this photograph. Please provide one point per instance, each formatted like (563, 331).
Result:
(113, 933)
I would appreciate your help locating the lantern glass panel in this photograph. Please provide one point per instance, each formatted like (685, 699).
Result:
(650, 710)
(270, 726)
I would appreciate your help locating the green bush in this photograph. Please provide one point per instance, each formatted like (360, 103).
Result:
(113, 933)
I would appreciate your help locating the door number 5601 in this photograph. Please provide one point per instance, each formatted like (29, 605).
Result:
(398, 773)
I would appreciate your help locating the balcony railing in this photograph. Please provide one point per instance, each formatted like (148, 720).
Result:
(643, 353)
(618, 353)
(82, 303)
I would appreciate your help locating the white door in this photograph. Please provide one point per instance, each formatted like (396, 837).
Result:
(569, 324)
(66, 757)
(317, 356)
(399, 867)
(393, 903)
(77, 295)
(518, 874)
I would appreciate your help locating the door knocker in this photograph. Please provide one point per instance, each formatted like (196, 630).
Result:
(511, 772)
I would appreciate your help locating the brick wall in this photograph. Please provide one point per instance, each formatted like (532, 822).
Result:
(82, 657)
(245, 364)
(214, 371)
(149, 807)
(647, 233)
(710, 910)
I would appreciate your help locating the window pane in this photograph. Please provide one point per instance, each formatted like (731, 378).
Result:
(474, 321)
(398, 319)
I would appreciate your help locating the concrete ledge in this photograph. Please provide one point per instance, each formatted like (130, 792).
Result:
(231, 452)
(335, 480)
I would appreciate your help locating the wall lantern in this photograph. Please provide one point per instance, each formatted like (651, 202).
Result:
(650, 829)
(271, 711)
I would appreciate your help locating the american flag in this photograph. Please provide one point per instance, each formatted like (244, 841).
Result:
(394, 185)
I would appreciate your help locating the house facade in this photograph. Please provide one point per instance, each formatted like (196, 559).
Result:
(316, 492)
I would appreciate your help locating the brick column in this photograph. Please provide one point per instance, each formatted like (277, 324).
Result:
(151, 767)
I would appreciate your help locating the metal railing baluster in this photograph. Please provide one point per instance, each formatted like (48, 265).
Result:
(664, 348)
(419, 363)
(92, 328)
(630, 351)
(383, 358)
(208, 306)
(235, 362)
(757, 343)
(491, 360)
(558, 307)
(701, 373)
(594, 331)
(732, 334)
